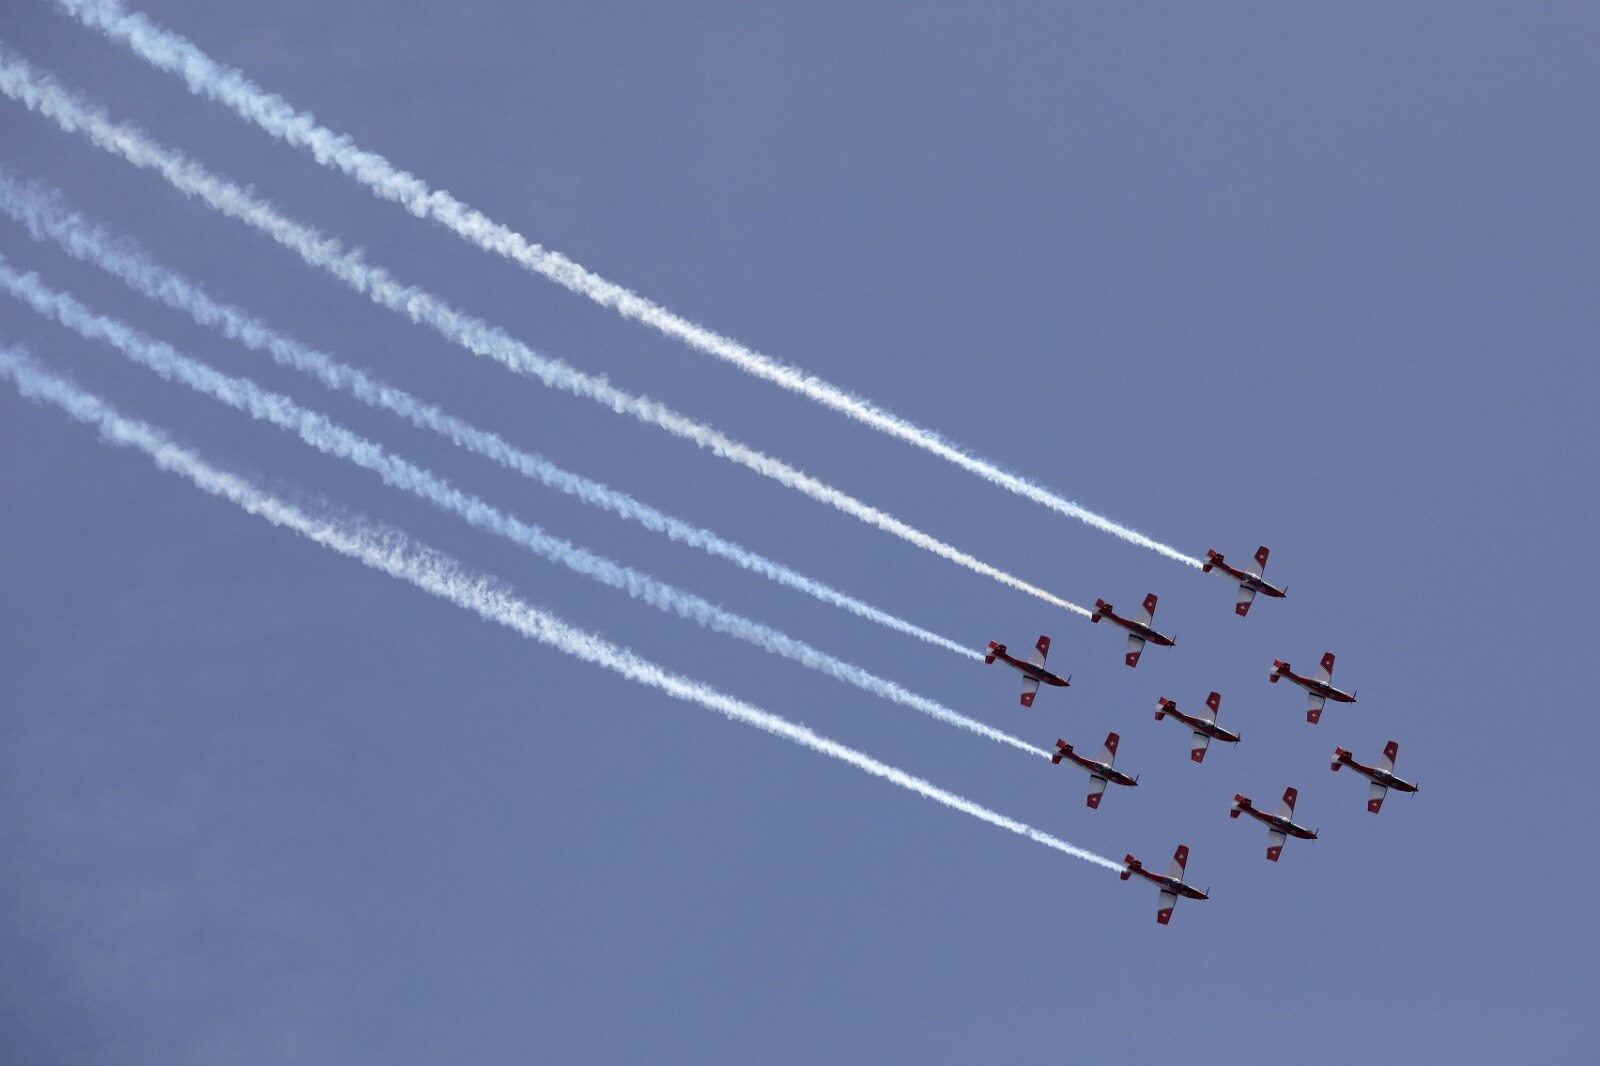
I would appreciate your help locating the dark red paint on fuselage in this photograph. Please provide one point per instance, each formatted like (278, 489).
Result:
(1199, 725)
(1311, 684)
(1173, 884)
(1103, 610)
(1378, 774)
(1277, 821)
(1260, 584)
(1098, 769)
(1038, 673)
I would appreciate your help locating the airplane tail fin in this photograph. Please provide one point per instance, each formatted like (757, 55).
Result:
(1239, 804)
(1129, 864)
(1161, 707)
(994, 649)
(1279, 668)
(1338, 757)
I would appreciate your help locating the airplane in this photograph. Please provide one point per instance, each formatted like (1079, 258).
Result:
(1280, 826)
(1249, 579)
(1171, 883)
(1381, 777)
(1033, 670)
(1320, 687)
(1099, 771)
(1204, 724)
(1138, 629)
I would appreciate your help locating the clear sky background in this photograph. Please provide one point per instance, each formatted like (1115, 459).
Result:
(1318, 277)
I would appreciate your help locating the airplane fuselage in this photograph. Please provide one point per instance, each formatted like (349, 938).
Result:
(1137, 628)
(1245, 578)
(1200, 725)
(1380, 775)
(1278, 822)
(1098, 769)
(1038, 673)
(1172, 884)
(1311, 684)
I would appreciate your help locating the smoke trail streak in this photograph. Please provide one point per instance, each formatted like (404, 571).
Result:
(44, 216)
(228, 86)
(394, 554)
(42, 93)
(332, 439)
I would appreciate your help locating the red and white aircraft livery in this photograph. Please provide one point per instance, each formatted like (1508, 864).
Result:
(1138, 629)
(1171, 884)
(1100, 771)
(1382, 776)
(1033, 670)
(1320, 687)
(1249, 579)
(1204, 724)
(1280, 826)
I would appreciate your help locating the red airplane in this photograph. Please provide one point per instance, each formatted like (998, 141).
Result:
(1033, 670)
(1204, 724)
(1320, 687)
(1138, 629)
(1249, 579)
(1381, 777)
(1171, 884)
(1280, 826)
(1099, 772)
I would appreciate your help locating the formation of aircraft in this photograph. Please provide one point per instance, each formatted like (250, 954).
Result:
(1100, 770)
(1139, 629)
(1319, 689)
(1280, 826)
(1171, 883)
(1381, 777)
(1204, 724)
(1249, 579)
(1033, 671)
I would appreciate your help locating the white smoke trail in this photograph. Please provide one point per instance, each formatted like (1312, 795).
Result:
(332, 439)
(44, 216)
(228, 86)
(43, 94)
(394, 554)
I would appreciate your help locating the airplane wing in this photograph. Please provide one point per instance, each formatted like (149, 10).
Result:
(1040, 651)
(1097, 785)
(1275, 839)
(1213, 703)
(1390, 750)
(1260, 566)
(1148, 612)
(1108, 754)
(1247, 596)
(1376, 790)
(1314, 705)
(1169, 900)
(1180, 859)
(1030, 688)
(1286, 808)
(1325, 673)
(1201, 742)
(1135, 646)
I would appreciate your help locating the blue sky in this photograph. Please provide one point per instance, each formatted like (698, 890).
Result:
(1320, 279)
